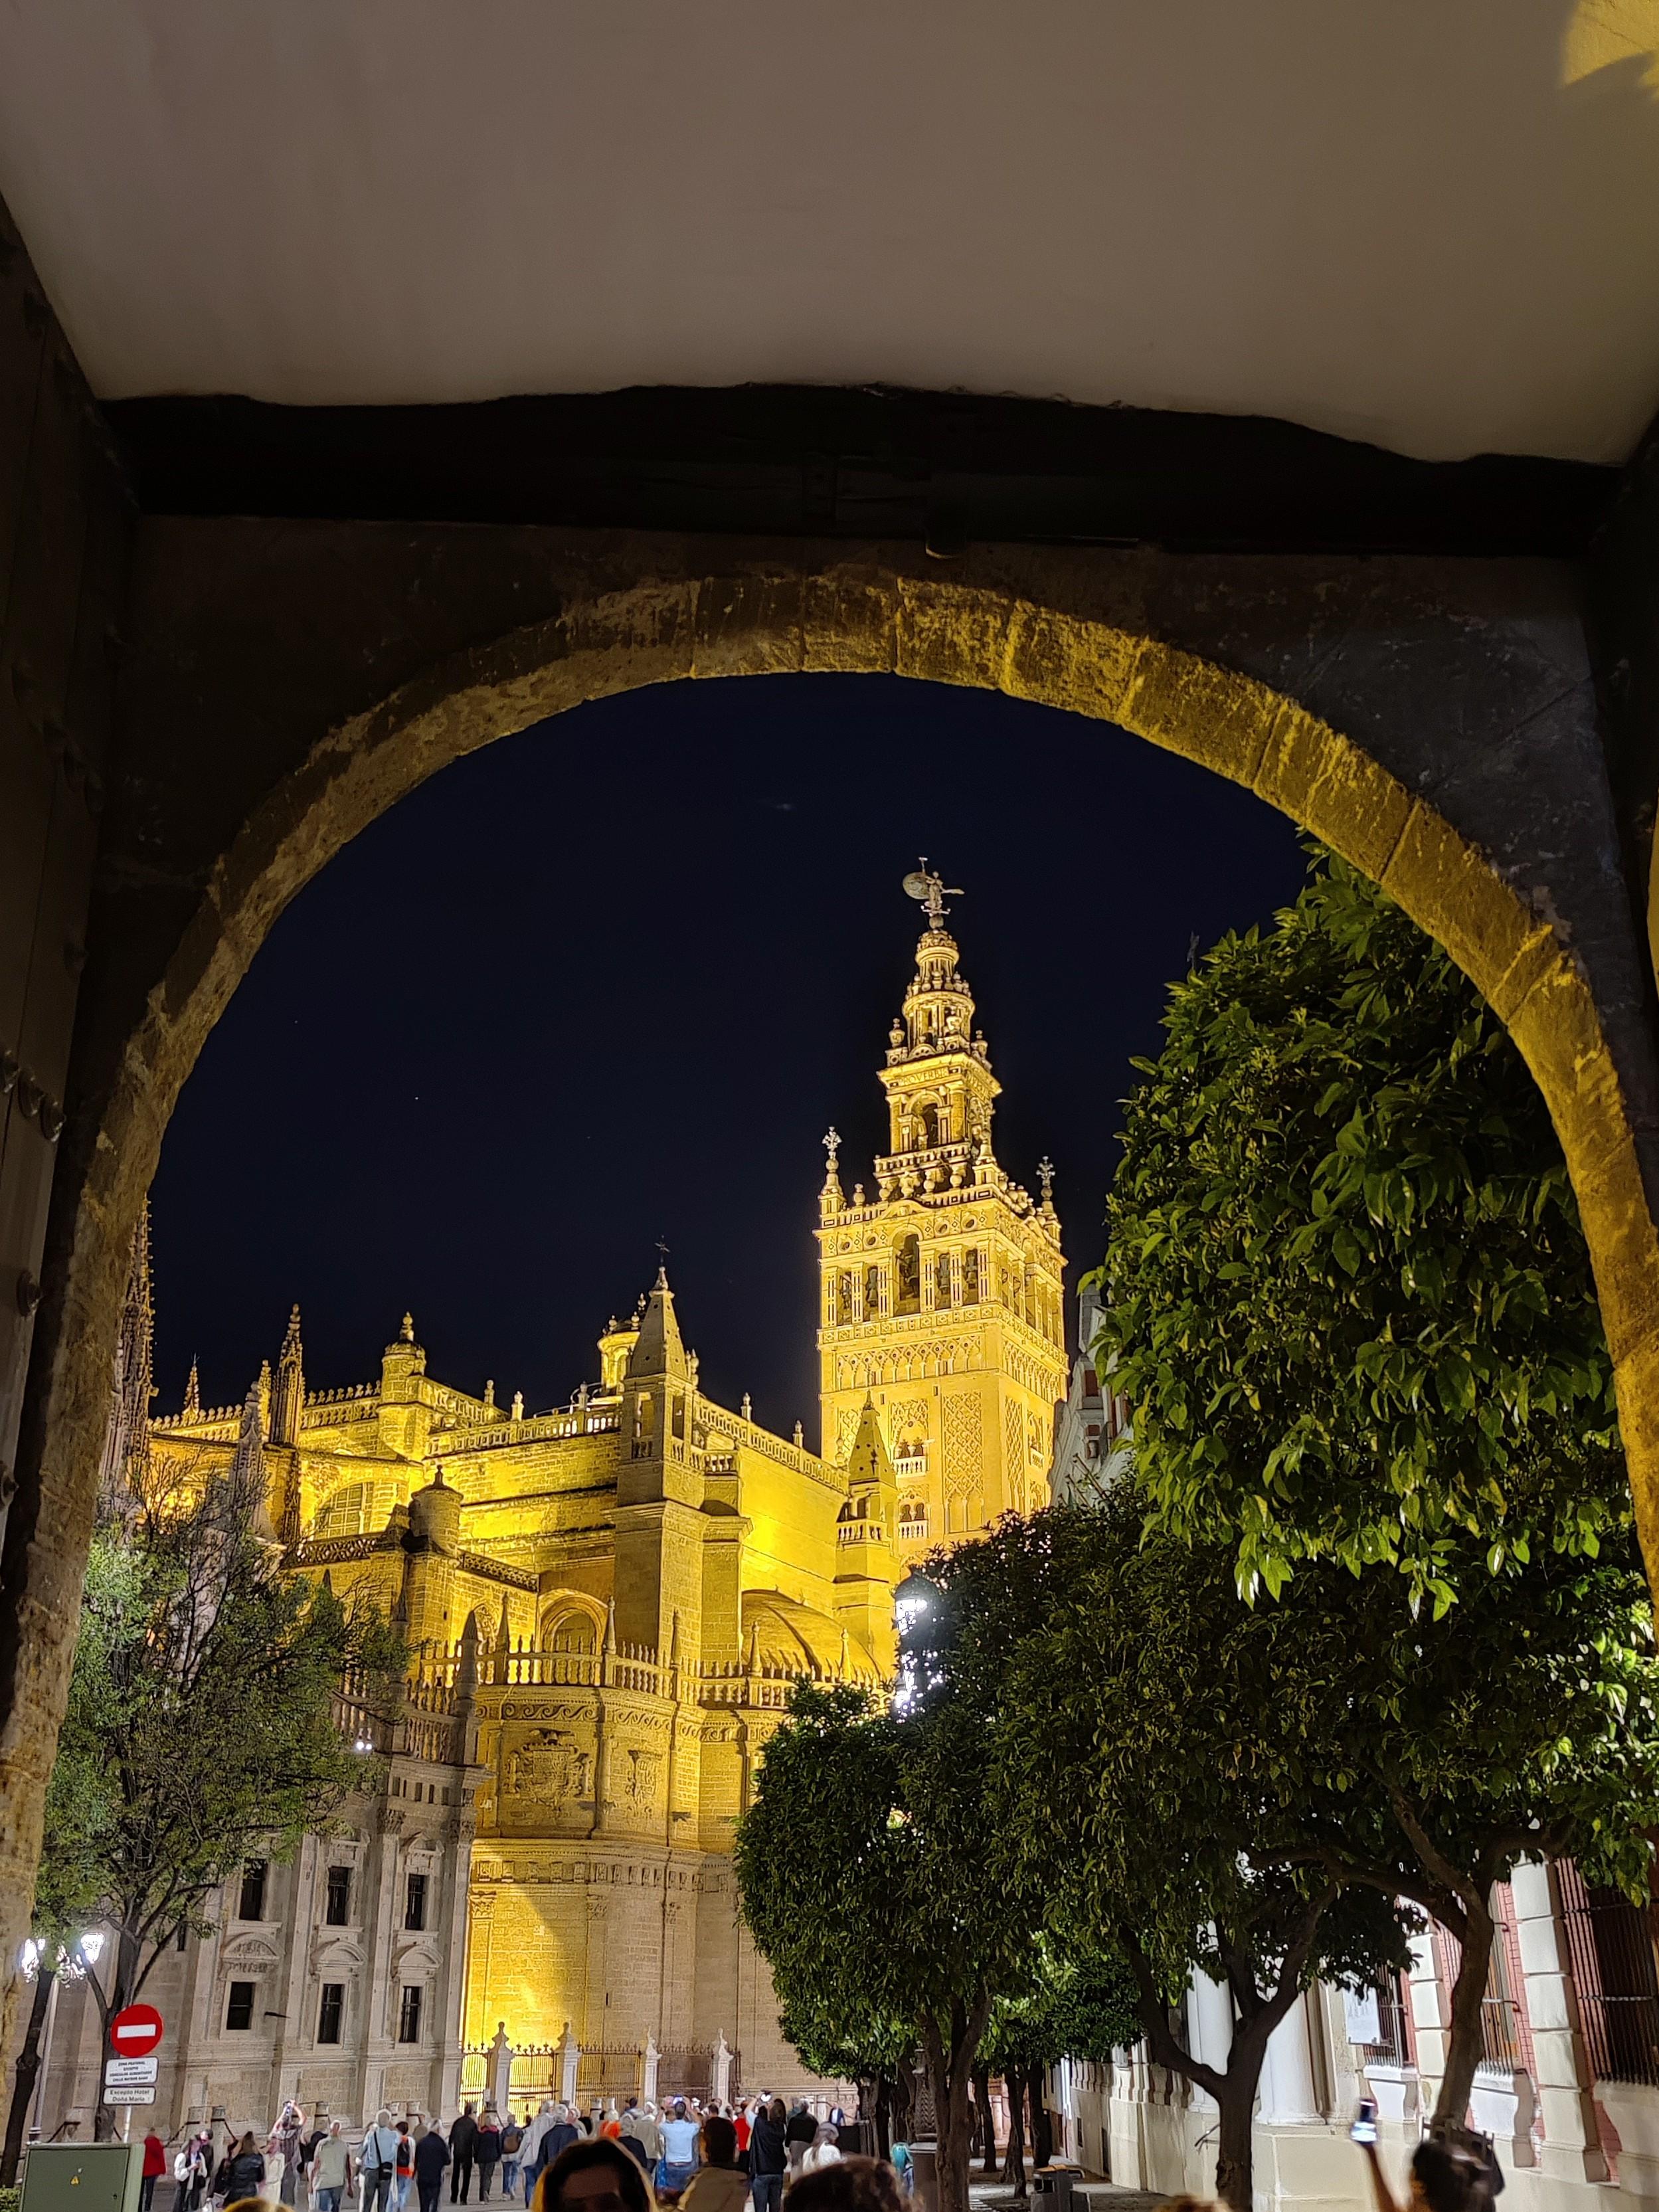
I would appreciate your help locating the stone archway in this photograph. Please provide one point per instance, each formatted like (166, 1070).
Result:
(1267, 671)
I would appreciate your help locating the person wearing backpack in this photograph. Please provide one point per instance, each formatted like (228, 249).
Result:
(379, 2163)
(512, 2136)
(404, 2168)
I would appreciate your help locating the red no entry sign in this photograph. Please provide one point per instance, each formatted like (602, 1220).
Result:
(135, 2032)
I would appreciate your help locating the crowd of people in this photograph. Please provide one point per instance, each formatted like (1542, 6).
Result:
(759, 2156)
(707, 2157)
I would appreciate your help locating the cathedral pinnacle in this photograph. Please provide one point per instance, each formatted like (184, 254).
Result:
(831, 1198)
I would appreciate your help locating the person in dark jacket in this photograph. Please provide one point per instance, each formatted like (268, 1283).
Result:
(560, 2136)
(431, 2157)
(463, 2142)
(799, 2135)
(487, 2152)
(767, 2156)
(241, 2172)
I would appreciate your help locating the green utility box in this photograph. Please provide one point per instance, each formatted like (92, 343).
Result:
(83, 2177)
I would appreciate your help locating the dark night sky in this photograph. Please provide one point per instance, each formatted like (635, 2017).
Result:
(610, 980)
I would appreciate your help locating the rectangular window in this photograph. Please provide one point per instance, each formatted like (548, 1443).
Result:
(251, 1904)
(239, 2005)
(970, 1276)
(181, 1935)
(339, 1896)
(328, 2012)
(415, 1901)
(409, 2014)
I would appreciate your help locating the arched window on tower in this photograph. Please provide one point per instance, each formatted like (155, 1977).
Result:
(970, 1276)
(843, 1298)
(927, 1127)
(907, 1275)
(645, 1421)
(871, 1292)
(942, 1280)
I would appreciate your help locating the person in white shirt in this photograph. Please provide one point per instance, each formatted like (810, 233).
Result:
(379, 2162)
(823, 2150)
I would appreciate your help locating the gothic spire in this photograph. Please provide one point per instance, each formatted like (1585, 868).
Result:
(288, 1401)
(247, 1464)
(125, 1460)
(660, 1349)
(193, 1392)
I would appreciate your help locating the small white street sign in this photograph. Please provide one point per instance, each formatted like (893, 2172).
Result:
(129, 2073)
(135, 2092)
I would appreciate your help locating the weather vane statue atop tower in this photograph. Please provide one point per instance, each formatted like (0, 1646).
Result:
(930, 891)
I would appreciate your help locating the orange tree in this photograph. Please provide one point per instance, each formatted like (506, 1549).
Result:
(1133, 1797)
(1346, 1291)
(861, 1872)
(1253, 1789)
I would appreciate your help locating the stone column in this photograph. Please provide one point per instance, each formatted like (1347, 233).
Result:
(653, 2060)
(569, 2056)
(1288, 2097)
(1431, 2020)
(501, 2070)
(1573, 2147)
(1210, 2017)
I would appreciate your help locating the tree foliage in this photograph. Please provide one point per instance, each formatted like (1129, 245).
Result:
(860, 1867)
(1425, 1757)
(1136, 1801)
(1346, 1289)
(199, 1726)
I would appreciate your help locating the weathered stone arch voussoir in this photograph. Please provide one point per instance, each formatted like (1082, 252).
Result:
(855, 618)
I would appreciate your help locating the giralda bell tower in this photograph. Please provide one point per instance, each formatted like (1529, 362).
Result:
(942, 1297)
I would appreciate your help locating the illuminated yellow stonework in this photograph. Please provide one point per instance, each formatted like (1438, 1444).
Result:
(942, 1297)
(610, 1602)
(615, 1598)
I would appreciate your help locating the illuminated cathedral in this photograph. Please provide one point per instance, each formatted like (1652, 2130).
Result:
(609, 1605)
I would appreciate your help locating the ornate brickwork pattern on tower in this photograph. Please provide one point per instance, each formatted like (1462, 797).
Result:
(906, 1424)
(963, 1443)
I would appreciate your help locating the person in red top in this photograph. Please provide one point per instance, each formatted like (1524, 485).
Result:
(741, 2124)
(155, 2165)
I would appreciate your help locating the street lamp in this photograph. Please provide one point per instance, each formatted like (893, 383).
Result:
(913, 1602)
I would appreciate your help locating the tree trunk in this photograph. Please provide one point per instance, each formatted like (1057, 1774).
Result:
(1234, 2177)
(904, 2102)
(1013, 2164)
(950, 2069)
(987, 2118)
(120, 1995)
(1043, 2128)
(28, 2070)
(1467, 2041)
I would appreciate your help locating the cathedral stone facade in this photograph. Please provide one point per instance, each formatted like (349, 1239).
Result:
(609, 1605)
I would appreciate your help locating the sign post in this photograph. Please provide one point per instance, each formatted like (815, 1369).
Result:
(130, 2075)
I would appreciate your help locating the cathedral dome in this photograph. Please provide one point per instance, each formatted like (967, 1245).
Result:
(786, 1633)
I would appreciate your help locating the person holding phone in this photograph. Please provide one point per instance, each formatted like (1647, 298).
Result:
(1443, 2178)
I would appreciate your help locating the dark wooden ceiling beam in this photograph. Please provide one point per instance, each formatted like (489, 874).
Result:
(793, 460)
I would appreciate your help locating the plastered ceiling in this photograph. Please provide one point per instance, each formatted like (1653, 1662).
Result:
(1431, 223)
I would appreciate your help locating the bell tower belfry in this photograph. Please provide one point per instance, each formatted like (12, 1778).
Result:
(942, 1295)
